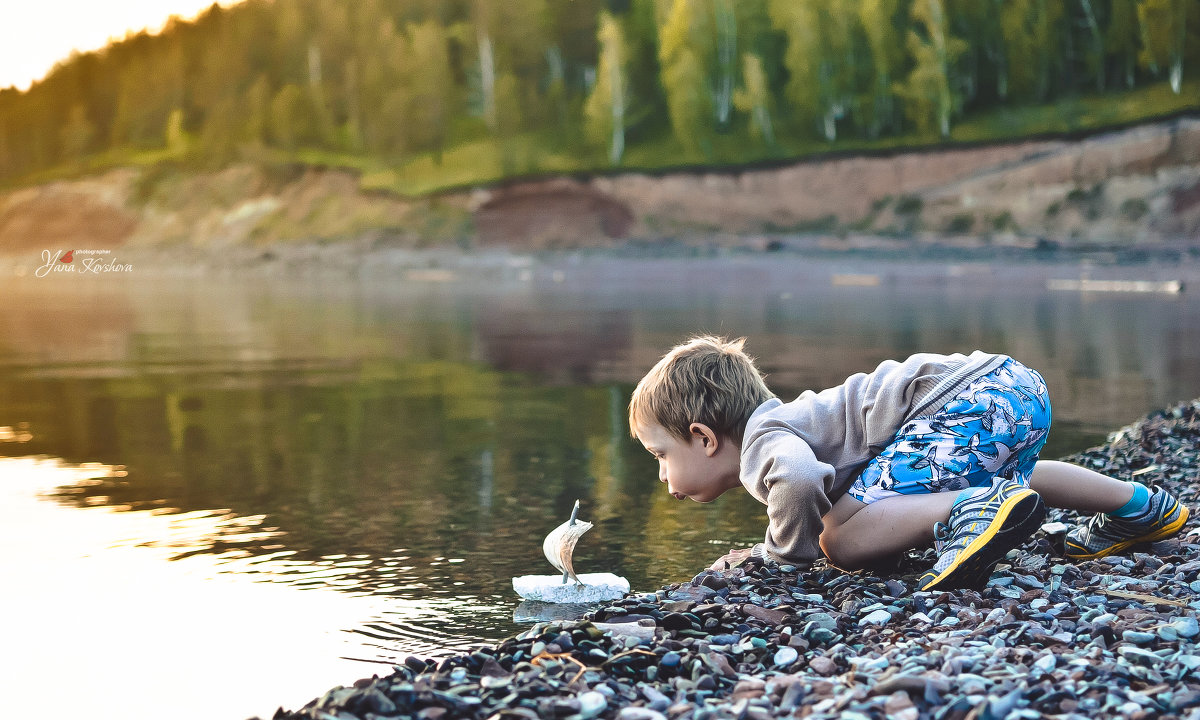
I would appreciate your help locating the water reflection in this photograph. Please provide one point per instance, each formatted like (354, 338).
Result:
(92, 602)
(408, 444)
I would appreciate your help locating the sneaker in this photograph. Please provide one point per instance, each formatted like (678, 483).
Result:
(979, 532)
(1104, 535)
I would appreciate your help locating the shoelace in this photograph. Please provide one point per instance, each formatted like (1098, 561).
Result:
(941, 535)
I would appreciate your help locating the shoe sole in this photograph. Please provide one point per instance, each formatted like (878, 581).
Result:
(1163, 532)
(1015, 521)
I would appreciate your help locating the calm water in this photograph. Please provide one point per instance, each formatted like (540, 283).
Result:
(219, 496)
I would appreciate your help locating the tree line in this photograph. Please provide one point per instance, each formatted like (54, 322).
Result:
(393, 79)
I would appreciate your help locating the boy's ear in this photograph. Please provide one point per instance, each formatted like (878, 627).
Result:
(706, 436)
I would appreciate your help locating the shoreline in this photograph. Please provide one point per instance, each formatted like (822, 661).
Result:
(1114, 637)
(369, 260)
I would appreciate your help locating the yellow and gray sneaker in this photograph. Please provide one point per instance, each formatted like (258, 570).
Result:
(1104, 534)
(980, 530)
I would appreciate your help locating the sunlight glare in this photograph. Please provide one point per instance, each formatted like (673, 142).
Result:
(34, 36)
(129, 626)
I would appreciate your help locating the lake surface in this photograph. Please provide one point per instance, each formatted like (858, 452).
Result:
(220, 495)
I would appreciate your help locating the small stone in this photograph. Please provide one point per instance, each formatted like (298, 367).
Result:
(1139, 656)
(720, 664)
(767, 615)
(876, 617)
(785, 656)
(1045, 663)
(1186, 627)
(563, 706)
(748, 688)
(822, 620)
(656, 700)
(675, 621)
(899, 707)
(591, 704)
(1138, 637)
(378, 702)
(823, 665)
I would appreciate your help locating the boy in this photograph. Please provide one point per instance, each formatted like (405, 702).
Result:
(941, 447)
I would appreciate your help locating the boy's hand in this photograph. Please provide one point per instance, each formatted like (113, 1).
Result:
(733, 558)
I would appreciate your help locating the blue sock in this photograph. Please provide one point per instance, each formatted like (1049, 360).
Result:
(1136, 505)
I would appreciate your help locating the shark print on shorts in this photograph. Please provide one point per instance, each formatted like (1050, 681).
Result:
(994, 428)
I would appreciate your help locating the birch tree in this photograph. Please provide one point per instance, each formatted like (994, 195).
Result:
(1164, 27)
(683, 78)
(877, 19)
(605, 108)
(928, 89)
(820, 59)
(1094, 58)
(755, 98)
(487, 76)
(725, 70)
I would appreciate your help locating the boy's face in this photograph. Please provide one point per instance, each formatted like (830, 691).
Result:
(702, 468)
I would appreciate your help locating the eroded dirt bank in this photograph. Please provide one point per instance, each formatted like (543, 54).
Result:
(1135, 186)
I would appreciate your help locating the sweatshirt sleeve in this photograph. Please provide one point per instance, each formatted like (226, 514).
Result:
(781, 471)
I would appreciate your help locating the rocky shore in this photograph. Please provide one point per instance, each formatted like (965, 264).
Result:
(1115, 637)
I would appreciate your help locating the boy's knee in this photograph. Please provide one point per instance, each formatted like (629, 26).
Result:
(835, 551)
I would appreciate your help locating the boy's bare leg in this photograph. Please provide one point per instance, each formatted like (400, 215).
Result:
(1064, 485)
(857, 533)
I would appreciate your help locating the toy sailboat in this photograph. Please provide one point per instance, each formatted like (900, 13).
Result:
(559, 547)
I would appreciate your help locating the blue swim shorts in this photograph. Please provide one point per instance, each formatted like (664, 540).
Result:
(994, 428)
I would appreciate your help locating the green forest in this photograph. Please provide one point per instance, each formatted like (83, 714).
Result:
(419, 95)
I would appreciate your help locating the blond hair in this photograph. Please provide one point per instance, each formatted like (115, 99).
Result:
(709, 380)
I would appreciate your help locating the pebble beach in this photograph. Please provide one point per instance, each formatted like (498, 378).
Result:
(1114, 637)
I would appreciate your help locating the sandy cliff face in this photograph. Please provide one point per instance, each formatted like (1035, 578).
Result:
(1140, 185)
